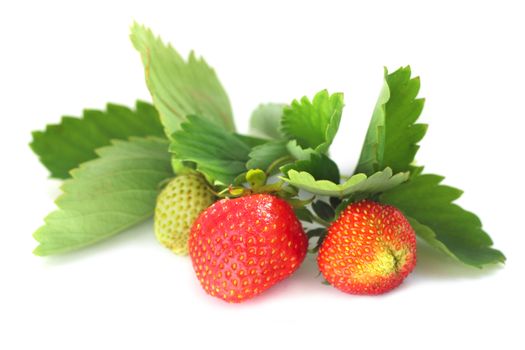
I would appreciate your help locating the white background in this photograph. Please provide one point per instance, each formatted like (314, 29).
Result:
(130, 292)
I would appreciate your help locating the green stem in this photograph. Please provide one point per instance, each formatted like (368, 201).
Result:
(212, 190)
(277, 162)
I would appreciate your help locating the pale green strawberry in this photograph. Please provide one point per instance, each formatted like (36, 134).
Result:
(178, 205)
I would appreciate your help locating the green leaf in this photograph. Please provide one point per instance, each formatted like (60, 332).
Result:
(430, 204)
(319, 166)
(106, 195)
(316, 232)
(303, 214)
(335, 201)
(323, 210)
(219, 154)
(429, 236)
(266, 121)
(251, 141)
(392, 136)
(262, 156)
(359, 183)
(313, 124)
(297, 151)
(374, 139)
(63, 147)
(178, 87)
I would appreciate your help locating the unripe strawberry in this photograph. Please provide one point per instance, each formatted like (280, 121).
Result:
(178, 205)
(241, 247)
(369, 249)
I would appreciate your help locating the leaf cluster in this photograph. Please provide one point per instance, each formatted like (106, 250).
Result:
(115, 161)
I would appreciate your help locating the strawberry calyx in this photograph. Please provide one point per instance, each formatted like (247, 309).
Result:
(255, 181)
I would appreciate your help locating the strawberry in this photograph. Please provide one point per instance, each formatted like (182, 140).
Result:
(178, 205)
(369, 249)
(241, 247)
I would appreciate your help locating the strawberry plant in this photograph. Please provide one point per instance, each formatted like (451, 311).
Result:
(247, 208)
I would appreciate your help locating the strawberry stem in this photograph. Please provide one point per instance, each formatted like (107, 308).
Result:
(278, 162)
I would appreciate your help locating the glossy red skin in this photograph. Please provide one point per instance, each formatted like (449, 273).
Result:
(362, 232)
(241, 247)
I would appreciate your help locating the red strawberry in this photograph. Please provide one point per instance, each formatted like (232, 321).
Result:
(369, 249)
(241, 247)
